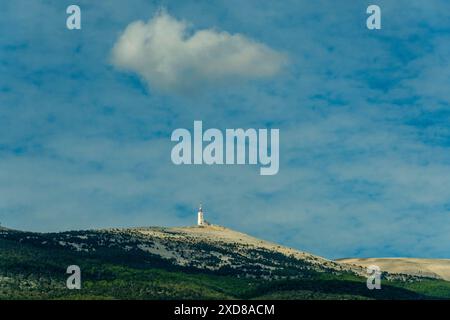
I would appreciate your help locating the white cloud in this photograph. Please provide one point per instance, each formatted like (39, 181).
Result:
(168, 57)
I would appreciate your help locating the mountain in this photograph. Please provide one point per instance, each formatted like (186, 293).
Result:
(432, 268)
(210, 262)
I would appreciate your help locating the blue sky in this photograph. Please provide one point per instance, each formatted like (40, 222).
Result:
(363, 118)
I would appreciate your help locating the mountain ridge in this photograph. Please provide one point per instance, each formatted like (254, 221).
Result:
(187, 262)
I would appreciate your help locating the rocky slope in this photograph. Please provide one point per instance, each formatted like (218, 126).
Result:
(432, 268)
(215, 247)
(209, 248)
(186, 263)
(212, 248)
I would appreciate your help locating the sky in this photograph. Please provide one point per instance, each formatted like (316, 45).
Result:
(86, 118)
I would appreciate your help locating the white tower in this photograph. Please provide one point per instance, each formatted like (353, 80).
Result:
(200, 219)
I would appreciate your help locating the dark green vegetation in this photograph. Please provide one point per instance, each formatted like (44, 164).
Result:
(33, 266)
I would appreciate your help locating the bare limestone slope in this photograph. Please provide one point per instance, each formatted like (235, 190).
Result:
(210, 248)
(230, 248)
(213, 249)
(180, 244)
(433, 268)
